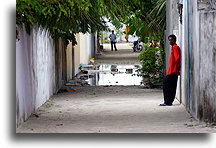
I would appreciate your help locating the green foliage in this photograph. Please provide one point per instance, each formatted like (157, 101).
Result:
(63, 18)
(149, 21)
(151, 59)
(144, 18)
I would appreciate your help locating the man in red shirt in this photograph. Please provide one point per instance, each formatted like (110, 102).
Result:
(170, 82)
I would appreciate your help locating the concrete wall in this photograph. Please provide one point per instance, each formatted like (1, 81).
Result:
(86, 48)
(193, 49)
(24, 77)
(43, 57)
(77, 54)
(60, 63)
(206, 103)
(76, 58)
(184, 55)
(38, 74)
(69, 61)
(197, 42)
(172, 27)
(43, 66)
(83, 51)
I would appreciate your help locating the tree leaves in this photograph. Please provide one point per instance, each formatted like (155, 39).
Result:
(64, 18)
(74, 16)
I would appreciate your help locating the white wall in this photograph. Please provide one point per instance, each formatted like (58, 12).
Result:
(77, 53)
(24, 77)
(69, 61)
(40, 67)
(43, 65)
(35, 71)
(85, 48)
(184, 56)
(83, 51)
(172, 27)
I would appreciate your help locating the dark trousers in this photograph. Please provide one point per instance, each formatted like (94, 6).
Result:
(113, 43)
(169, 88)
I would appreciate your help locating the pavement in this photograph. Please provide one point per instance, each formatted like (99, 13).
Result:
(112, 109)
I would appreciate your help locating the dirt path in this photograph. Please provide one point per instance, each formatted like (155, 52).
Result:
(112, 109)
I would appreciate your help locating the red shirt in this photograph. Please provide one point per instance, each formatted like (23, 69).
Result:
(174, 62)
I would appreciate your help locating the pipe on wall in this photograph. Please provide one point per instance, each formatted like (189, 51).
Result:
(180, 24)
(73, 63)
(189, 48)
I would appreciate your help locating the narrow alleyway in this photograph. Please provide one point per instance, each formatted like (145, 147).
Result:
(112, 108)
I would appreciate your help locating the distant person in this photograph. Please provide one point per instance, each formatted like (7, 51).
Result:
(170, 82)
(112, 38)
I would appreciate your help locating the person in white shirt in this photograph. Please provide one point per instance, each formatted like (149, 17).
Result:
(112, 38)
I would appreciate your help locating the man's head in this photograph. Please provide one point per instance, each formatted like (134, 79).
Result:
(172, 39)
(112, 31)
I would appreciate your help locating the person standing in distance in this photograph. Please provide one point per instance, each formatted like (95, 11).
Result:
(170, 82)
(112, 38)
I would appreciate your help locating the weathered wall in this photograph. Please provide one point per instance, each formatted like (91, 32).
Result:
(60, 64)
(172, 27)
(200, 37)
(77, 54)
(69, 61)
(43, 65)
(85, 48)
(194, 57)
(184, 55)
(38, 70)
(206, 104)
(83, 51)
(24, 77)
(43, 56)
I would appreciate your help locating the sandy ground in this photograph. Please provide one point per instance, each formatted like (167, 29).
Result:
(112, 109)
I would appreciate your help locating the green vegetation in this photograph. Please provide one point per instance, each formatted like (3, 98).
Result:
(63, 18)
(144, 18)
(152, 63)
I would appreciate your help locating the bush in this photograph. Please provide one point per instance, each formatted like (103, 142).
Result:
(152, 71)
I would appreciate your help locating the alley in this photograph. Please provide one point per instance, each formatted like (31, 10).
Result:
(112, 108)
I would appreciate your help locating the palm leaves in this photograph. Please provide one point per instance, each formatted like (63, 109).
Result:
(157, 16)
(143, 17)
